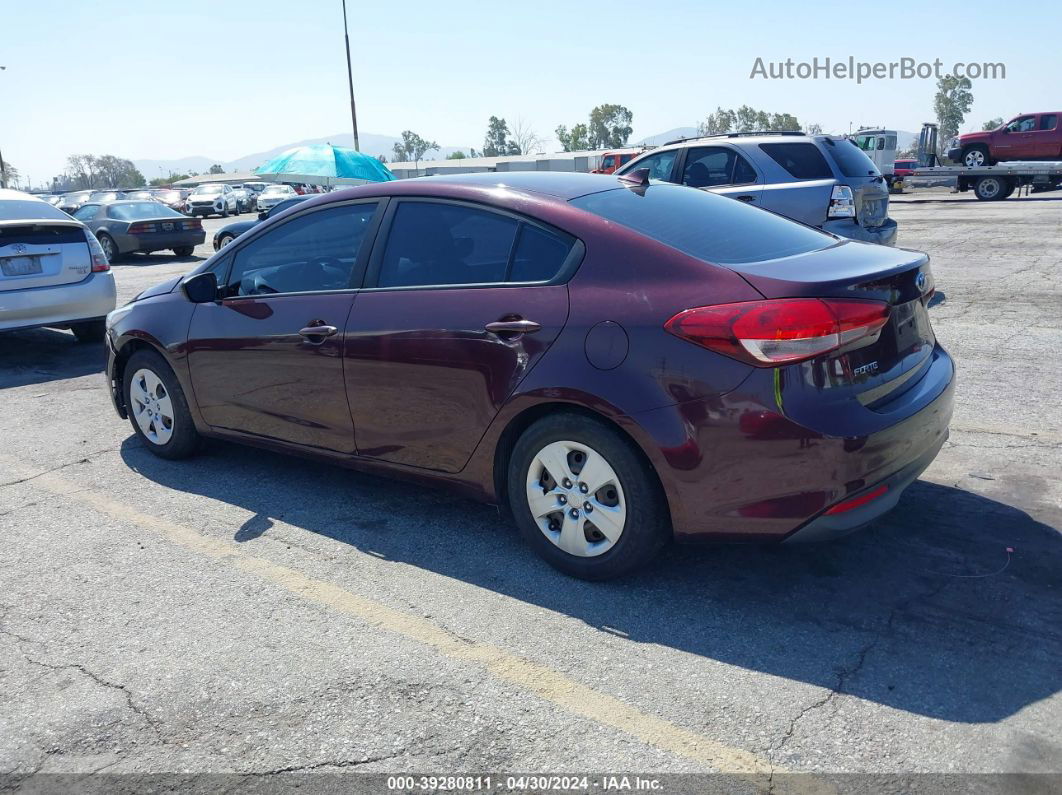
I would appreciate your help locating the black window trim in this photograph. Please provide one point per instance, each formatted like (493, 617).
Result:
(679, 171)
(564, 274)
(232, 250)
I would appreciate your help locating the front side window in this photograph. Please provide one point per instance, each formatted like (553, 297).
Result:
(434, 243)
(800, 160)
(1024, 124)
(317, 251)
(710, 166)
(659, 164)
(1048, 121)
(608, 161)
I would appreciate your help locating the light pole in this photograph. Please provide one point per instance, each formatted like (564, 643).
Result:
(350, 80)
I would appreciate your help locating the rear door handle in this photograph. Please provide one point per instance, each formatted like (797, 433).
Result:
(318, 332)
(746, 197)
(513, 327)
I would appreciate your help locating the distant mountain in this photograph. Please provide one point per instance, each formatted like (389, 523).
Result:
(371, 144)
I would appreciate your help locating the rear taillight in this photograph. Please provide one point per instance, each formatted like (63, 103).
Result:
(782, 331)
(842, 203)
(192, 223)
(99, 258)
(142, 229)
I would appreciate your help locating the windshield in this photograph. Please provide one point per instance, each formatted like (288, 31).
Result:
(850, 158)
(104, 196)
(208, 190)
(277, 190)
(710, 227)
(168, 195)
(141, 210)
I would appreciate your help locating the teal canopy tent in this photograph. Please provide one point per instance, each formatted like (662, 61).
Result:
(324, 164)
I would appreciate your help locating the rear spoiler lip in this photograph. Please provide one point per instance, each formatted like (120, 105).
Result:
(46, 221)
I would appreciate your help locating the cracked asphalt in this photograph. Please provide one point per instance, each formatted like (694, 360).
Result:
(246, 612)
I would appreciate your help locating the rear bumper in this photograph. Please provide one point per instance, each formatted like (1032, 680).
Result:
(89, 299)
(884, 235)
(158, 241)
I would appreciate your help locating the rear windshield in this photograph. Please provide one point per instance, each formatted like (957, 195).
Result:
(801, 160)
(140, 210)
(29, 209)
(710, 227)
(850, 158)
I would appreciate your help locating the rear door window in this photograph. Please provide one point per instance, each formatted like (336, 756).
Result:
(800, 160)
(710, 166)
(1048, 121)
(705, 225)
(311, 253)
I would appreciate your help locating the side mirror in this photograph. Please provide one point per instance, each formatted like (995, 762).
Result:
(201, 288)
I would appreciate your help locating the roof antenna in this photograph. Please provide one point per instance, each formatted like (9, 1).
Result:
(638, 177)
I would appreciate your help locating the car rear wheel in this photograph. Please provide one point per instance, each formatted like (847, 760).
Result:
(224, 240)
(976, 156)
(157, 407)
(90, 330)
(585, 499)
(184, 251)
(110, 248)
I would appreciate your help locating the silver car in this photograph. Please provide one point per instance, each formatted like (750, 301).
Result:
(53, 271)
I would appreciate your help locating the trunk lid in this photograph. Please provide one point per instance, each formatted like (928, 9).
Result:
(871, 372)
(42, 253)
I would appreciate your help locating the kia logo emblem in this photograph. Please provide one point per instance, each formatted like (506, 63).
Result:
(19, 248)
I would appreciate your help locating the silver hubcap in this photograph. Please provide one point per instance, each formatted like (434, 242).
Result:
(576, 498)
(225, 241)
(108, 247)
(151, 406)
(989, 188)
(975, 158)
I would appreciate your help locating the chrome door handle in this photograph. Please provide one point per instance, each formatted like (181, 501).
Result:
(321, 331)
(513, 327)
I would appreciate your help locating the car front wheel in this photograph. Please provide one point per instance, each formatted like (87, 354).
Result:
(157, 407)
(585, 498)
(976, 156)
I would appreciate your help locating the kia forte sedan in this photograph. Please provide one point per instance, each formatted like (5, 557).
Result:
(615, 362)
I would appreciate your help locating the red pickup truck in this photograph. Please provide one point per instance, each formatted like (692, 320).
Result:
(1029, 136)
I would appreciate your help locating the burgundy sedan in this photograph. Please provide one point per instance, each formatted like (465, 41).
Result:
(615, 362)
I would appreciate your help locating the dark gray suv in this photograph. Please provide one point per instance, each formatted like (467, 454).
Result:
(820, 180)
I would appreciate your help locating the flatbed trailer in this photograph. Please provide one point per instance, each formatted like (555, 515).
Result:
(992, 183)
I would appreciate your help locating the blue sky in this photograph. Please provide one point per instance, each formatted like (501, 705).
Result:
(229, 77)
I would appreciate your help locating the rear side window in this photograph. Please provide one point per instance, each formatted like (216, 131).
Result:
(850, 159)
(314, 252)
(433, 243)
(1048, 121)
(539, 255)
(801, 161)
(704, 225)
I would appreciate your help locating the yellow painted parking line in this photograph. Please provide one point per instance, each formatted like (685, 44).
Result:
(543, 681)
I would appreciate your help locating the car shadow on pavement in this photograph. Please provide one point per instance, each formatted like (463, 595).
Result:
(39, 355)
(926, 611)
(143, 260)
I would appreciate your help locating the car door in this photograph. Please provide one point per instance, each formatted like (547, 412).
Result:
(722, 170)
(460, 302)
(1046, 136)
(1016, 141)
(266, 358)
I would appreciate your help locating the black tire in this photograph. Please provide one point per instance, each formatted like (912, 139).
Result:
(990, 189)
(184, 439)
(110, 248)
(647, 526)
(972, 153)
(90, 330)
(184, 251)
(224, 211)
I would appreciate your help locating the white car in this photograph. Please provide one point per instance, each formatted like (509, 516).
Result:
(53, 271)
(273, 195)
(212, 200)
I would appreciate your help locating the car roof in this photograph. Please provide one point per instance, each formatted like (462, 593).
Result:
(749, 138)
(560, 184)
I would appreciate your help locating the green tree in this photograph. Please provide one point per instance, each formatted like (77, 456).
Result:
(575, 140)
(173, 177)
(610, 126)
(458, 155)
(216, 169)
(992, 124)
(9, 176)
(497, 143)
(748, 119)
(104, 171)
(412, 148)
(814, 129)
(951, 104)
(722, 121)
